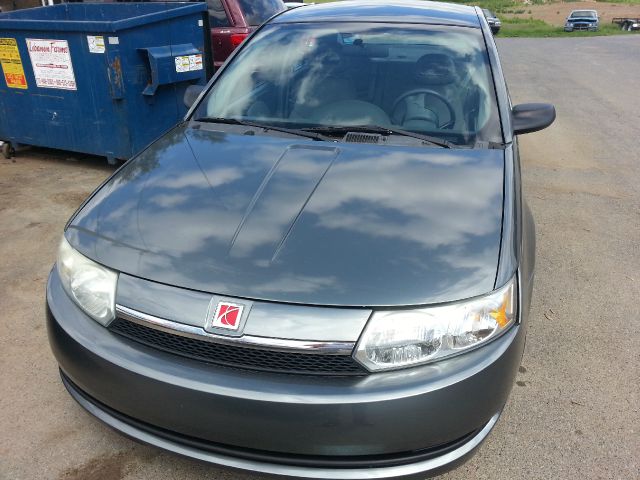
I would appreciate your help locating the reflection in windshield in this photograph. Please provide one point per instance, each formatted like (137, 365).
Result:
(427, 79)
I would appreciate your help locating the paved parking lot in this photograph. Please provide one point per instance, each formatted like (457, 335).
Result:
(574, 410)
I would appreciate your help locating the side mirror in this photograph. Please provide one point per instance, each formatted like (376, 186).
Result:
(191, 94)
(531, 117)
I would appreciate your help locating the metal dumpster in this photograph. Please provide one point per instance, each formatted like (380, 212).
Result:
(105, 79)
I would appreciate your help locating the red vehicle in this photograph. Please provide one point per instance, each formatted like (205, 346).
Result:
(232, 21)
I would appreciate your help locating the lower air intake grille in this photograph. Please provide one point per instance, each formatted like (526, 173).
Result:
(238, 357)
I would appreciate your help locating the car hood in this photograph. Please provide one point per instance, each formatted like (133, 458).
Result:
(299, 221)
(582, 19)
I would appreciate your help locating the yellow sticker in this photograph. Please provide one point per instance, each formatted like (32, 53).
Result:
(12, 64)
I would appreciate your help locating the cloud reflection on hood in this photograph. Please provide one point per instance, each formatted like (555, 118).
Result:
(307, 222)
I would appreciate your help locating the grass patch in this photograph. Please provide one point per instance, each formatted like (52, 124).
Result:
(503, 6)
(630, 2)
(530, 27)
(496, 6)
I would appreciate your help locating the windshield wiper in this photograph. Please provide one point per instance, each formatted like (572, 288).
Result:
(235, 121)
(344, 129)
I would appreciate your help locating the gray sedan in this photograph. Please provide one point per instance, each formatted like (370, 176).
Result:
(325, 271)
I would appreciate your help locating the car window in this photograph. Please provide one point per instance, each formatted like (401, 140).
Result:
(428, 79)
(583, 14)
(217, 15)
(488, 13)
(257, 11)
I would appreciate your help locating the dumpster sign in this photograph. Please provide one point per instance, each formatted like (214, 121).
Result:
(12, 64)
(96, 44)
(188, 63)
(51, 62)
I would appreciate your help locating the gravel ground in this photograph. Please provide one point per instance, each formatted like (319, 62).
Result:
(573, 412)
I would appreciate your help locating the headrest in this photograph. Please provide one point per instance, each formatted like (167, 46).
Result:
(435, 69)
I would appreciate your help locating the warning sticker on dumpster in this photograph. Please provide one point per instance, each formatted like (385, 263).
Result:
(51, 62)
(188, 63)
(12, 64)
(96, 44)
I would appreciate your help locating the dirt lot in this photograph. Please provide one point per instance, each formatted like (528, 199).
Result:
(557, 13)
(573, 413)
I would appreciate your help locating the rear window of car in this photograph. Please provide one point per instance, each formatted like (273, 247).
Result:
(217, 14)
(257, 11)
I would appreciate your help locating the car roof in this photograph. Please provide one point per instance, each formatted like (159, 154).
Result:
(395, 11)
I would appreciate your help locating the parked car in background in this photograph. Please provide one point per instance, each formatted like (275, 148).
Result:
(231, 21)
(494, 22)
(582, 20)
(628, 24)
(325, 271)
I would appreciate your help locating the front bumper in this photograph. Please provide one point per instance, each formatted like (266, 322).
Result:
(387, 425)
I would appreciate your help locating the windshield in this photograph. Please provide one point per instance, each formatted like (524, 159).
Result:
(257, 11)
(488, 13)
(583, 14)
(427, 79)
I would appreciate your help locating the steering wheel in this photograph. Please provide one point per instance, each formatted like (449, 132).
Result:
(428, 93)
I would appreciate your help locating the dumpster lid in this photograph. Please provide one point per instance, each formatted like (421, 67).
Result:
(96, 17)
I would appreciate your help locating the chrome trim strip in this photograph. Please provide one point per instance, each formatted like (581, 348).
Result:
(396, 472)
(248, 341)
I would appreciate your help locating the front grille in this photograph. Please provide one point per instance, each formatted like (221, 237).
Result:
(236, 356)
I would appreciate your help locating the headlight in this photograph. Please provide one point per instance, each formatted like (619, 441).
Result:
(402, 338)
(91, 286)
